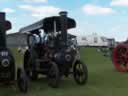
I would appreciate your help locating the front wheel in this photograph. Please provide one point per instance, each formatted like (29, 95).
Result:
(22, 81)
(53, 75)
(80, 73)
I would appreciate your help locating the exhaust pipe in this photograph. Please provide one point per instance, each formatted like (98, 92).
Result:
(4, 26)
(2, 31)
(64, 23)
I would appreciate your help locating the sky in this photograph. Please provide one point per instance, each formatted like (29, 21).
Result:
(107, 18)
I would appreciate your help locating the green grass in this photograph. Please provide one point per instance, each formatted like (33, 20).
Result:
(103, 80)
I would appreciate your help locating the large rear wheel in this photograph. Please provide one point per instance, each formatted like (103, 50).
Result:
(29, 66)
(120, 57)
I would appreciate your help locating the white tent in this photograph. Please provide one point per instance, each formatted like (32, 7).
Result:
(92, 40)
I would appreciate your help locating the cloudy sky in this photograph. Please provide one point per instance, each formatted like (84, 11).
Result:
(105, 17)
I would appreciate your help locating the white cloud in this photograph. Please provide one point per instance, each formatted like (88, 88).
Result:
(41, 11)
(119, 32)
(36, 1)
(8, 10)
(119, 3)
(97, 10)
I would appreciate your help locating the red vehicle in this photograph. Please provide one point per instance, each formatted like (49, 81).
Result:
(120, 57)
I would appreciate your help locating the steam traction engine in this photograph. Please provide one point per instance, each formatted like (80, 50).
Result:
(120, 57)
(7, 62)
(53, 54)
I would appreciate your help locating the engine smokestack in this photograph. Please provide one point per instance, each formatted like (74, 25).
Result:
(63, 20)
(2, 30)
(4, 26)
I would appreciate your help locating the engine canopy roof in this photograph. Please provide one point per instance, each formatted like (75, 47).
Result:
(47, 24)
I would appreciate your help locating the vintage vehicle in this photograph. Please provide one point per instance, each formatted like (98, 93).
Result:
(55, 54)
(120, 57)
(7, 63)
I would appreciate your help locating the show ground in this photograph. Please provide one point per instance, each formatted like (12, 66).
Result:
(103, 80)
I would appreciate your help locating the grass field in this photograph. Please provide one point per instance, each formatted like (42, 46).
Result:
(103, 80)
